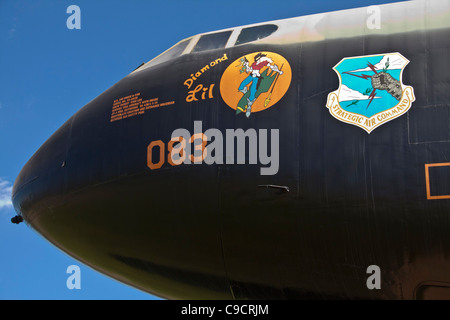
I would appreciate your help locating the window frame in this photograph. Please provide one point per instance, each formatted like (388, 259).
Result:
(231, 42)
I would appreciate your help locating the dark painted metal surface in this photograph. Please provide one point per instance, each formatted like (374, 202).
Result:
(208, 231)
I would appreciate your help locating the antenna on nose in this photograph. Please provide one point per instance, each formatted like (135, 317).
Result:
(17, 219)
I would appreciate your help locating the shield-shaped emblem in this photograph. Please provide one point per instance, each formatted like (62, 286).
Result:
(371, 91)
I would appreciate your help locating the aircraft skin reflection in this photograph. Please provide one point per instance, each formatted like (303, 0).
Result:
(356, 147)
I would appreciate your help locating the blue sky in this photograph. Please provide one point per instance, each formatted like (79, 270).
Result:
(48, 72)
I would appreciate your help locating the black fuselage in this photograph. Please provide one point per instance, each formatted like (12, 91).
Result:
(341, 200)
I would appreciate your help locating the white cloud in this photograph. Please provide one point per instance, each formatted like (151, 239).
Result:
(5, 194)
(11, 32)
(395, 62)
(347, 94)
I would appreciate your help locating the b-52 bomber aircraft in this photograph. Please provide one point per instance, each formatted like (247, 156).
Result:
(305, 158)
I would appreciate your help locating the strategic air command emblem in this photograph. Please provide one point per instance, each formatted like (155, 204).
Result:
(371, 90)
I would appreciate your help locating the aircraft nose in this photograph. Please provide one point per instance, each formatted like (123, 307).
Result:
(41, 180)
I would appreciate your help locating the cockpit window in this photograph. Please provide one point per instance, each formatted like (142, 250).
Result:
(212, 41)
(173, 52)
(255, 33)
